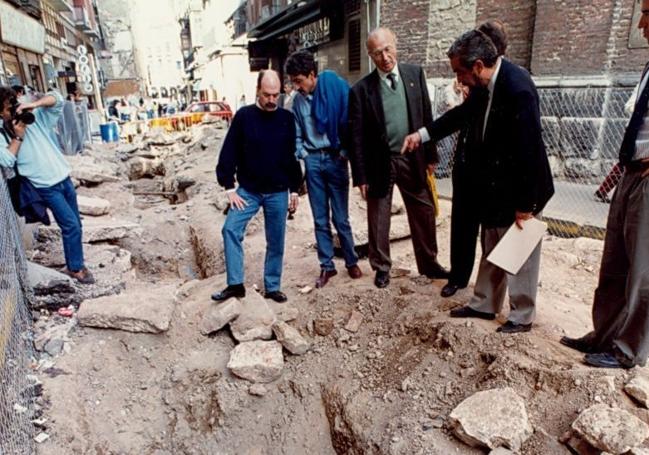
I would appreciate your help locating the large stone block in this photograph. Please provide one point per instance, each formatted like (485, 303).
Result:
(143, 310)
(92, 206)
(492, 418)
(94, 230)
(257, 361)
(609, 429)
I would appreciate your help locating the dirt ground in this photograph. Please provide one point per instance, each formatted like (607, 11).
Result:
(386, 389)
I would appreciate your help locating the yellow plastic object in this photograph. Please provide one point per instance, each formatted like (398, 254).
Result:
(432, 186)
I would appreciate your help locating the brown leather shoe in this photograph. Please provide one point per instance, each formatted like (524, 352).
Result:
(354, 272)
(323, 279)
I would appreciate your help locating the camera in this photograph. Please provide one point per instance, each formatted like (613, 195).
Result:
(25, 116)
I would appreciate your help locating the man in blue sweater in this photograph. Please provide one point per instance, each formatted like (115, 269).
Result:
(259, 154)
(321, 119)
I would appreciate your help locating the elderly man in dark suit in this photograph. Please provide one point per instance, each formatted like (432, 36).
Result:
(514, 183)
(384, 107)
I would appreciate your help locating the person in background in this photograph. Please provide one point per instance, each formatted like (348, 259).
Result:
(286, 99)
(321, 109)
(38, 158)
(258, 154)
(70, 133)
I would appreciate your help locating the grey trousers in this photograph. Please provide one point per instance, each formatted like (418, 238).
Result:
(421, 218)
(493, 282)
(621, 304)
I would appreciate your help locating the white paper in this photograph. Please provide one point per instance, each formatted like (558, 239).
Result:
(516, 245)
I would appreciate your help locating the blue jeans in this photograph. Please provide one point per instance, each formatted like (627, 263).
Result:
(275, 207)
(61, 199)
(327, 179)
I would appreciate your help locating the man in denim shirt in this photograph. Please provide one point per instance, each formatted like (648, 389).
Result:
(320, 111)
(34, 150)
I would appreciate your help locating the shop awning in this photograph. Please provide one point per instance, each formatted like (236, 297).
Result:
(293, 16)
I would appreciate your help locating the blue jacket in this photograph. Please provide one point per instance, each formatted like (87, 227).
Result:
(330, 107)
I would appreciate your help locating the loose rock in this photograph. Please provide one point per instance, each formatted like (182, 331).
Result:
(257, 361)
(354, 322)
(492, 418)
(217, 316)
(92, 206)
(255, 321)
(610, 429)
(638, 389)
(290, 338)
(323, 327)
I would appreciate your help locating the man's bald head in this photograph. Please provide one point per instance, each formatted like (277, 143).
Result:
(381, 34)
(382, 48)
(268, 87)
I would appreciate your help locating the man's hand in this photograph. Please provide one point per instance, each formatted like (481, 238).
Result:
(646, 171)
(236, 201)
(521, 217)
(293, 202)
(363, 189)
(411, 142)
(20, 128)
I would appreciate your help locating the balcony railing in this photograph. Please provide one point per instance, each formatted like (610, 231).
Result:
(83, 22)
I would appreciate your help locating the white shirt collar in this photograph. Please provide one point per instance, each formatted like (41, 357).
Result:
(394, 71)
(494, 76)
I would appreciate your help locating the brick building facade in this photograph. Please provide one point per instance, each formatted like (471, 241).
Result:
(571, 38)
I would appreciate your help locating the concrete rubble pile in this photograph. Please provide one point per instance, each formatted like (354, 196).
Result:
(253, 323)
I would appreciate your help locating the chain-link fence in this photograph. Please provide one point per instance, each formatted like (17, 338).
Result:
(17, 390)
(582, 130)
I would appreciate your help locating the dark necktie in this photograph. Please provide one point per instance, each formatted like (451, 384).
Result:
(393, 81)
(627, 150)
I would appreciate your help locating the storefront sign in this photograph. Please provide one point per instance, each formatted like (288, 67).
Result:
(85, 72)
(20, 30)
(314, 33)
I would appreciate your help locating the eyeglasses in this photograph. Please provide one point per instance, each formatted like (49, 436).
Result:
(379, 52)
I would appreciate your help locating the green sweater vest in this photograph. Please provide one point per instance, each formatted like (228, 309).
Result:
(395, 109)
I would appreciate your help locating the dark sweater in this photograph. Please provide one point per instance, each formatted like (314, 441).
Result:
(260, 150)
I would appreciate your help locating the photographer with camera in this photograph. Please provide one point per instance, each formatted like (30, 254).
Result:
(27, 142)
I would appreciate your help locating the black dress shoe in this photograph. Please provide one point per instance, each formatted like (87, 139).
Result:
(578, 344)
(512, 327)
(468, 312)
(277, 296)
(605, 360)
(382, 279)
(450, 289)
(439, 273)
(323, 279)
(236, 290)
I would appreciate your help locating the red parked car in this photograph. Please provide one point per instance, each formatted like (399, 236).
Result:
(212, 108)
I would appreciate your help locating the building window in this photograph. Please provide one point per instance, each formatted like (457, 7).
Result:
(354, 44)
(352, 7)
